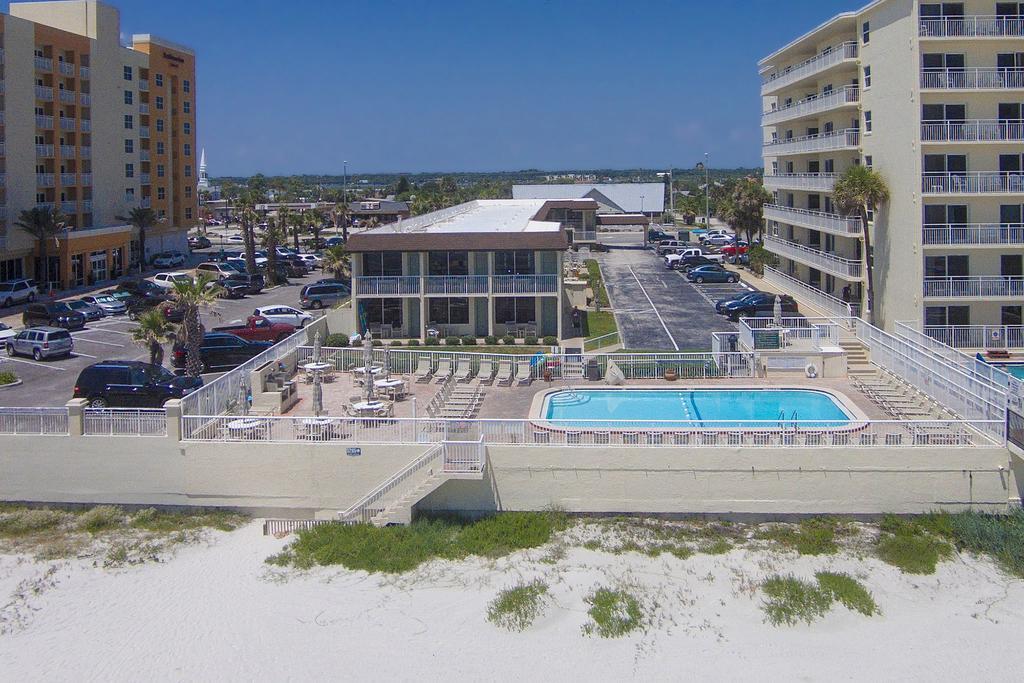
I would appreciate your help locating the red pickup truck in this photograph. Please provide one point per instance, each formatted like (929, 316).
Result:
(258, 328)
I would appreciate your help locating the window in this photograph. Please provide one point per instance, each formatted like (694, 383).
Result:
(382, 311)
(186, 86)
(188, 171)
(448, 263)
(514, 262)
(188, 213)
(946, 266)
(867, 77)
(188, 150)
(448, 311)
(161, 193)
(127, 73)
(1011, 315)
(865, 32)
(129, 170)
(867, 122)
(186, 106)
(938, 62)
(520, 310)
(159, 79)
(129, 193)
(830, 165)
(159, 102)
(159, 125)
(386, 263)
(186, 128)
(868, 160)
(159, 170)
(129, 146)
(129, 121)
(128, 97)
(188, 191)
(159, 148)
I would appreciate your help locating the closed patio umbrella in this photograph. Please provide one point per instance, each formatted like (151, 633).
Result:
(387, 363)
(368, 363)
(316, 347)
(243, 399)
(777, 311)
(318, 395)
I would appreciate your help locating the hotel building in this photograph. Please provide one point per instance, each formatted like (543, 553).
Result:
(929, 95)
(95, 129)
(487, 267)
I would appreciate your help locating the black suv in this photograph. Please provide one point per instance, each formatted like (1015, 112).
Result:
(131, 384)
(52, 314)
(221, 351)
(759, 306)
(253, 284)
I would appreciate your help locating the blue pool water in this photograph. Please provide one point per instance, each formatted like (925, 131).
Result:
(700, 407)
(1014, 370)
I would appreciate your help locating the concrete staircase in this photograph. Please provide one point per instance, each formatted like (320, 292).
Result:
(858, 361)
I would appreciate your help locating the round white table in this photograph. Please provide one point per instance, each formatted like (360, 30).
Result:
(394, 386)
(316, 367)
(368, 406)
(375, 370)
(318, 428)
(246, 428)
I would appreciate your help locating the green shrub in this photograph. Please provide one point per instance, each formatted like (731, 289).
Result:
(550, 340)
(848, 591)
(1001, 536)
(336, 340)
(530, 340)
(452, 341)
(469, 341)
(613, 613)
(432, 341)
(491, 340)
(29, 521)
(814, 536)
(414, 342)
(717, 547)
(913, 552)
(7, 377)
(516, 608)
(100, 518)
(151, 519)
(377, 342)
(790, 600)
(396, 342)
(508, 340)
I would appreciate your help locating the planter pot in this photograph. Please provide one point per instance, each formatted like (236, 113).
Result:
(671, 375)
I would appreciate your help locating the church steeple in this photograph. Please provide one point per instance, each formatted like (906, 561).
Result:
(204, 179)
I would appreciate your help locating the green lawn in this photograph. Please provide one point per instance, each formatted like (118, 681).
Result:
(596, 283)
(598, 324)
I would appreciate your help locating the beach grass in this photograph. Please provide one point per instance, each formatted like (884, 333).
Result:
(100, 518)
(848, 591)
(815, 536)
(914, 545)
(613, 613)
(518, 607)
(790, 600)
(999, 536)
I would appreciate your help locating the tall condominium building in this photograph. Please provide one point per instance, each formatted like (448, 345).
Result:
(929, 95)
(95, 129)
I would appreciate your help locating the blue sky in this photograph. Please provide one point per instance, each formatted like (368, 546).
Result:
(388, 85)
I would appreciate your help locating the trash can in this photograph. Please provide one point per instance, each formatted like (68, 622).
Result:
(593, 370)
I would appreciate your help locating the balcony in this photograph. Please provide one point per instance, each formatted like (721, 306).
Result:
(144, 155)
(84, 72)
(823, 142)
(144, 179)
(44, 180)
(85, 179)
(977, 336)
(69, 208)
(66, 68)
(44, 122)
(974, 286)
(975, 130)
(86, 206)
(975, 182)
(145, 203)
(455, 284)
(812, 106)
(44, 151)
(809, 182)
(3, 149)
(820, 62)
(144, 132)
(68, 179)
(66, 123)
(810, 295)
(975, 78)
(143, 108)
(129, 198)
(85, 99)
(971, 27)
(829, 263)
(67, 151)
(86, 125)
(973, 234)
(45, 205)
(85, 152)
(44, 63)
(44, 92)
(833, 223)
(143, 85)
(524, 284)
(388, 285)
(67, 96)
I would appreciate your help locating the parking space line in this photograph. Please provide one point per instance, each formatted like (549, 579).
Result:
(96, 341)
(107, 330)
(76, 354)
(660, 319)
(32, 362)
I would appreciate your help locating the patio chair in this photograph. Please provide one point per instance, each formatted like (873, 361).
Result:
(524, 374)
(486, 372)
(444, 370)
(504, 376)
(423, 372)
(463, 371)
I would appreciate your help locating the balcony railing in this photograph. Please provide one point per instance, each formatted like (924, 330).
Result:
(974, 182)
(67, 96)
(584, 235)
(44, 63)
(816, 64)
(44, 122)
(524, 284)
(823, 301)
(813, 105)
(44, 92)
(143, 108)
(45, 205)
(143, 85)
(145, 203)
(66, 68)
(978, 336)
(455, 284)
(69, 208)
(67, 179)
(86, 125)
(67, 151)
(974, 286)
(144, 132)
(973, 78)
(812, 182)
(86, 206)
(841, 267)
(85, 152)
(971, 27)
(973, 233)
(44, 180)
(144, 178)
(66, 123)
(144, 155)
(973, 131)
(84, 99)
(394, 285)
(84, 72)
(824, 142)
(44, 151)
(85, 179)
(3, 180)
(818, 220)
(407, 285)
(129, 198)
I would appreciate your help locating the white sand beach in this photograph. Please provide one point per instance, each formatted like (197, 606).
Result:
(216, 611)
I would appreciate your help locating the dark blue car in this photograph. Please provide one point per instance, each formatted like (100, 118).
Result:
(711, 274)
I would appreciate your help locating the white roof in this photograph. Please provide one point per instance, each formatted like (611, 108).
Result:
(621, 197)
(478, 216)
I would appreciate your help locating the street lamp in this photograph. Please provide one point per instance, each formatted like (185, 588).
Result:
(703, 166)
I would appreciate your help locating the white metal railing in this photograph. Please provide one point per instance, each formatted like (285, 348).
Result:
(768, 334)
(67, 179)
(66, 123)
(44, 151)
(374, 502)
(124, 422)
(974, 286)
(67, 96)
(973, 182)
(143, 155)
(973, 233)
(975, 130)
(85, 179)
(47, 205)
(44, 92)
(67, 151)
(84, 72)
(43, 121)
(69, 208)
(143, 85)
(144, 179)
(972, 78)
(386, 285)
(595, 343)
(847, 226)
(66, 68)
(822, 142)
(825, 59)
(33, 421)
(143, 108)
(971, 27)
(86, 125)
(143, 132)
(455, 284)
(524, 284)
(86, 203)
(44, 180)
(146, 202)
(815, 104)
(85, 99)
(815, 182)
(43, 63)
(584, 235)
(85, 152)
(844, 268)
(977, 336)
(823, 301)
(465, 456)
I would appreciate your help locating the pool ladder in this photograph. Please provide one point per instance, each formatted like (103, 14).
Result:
(792, 419)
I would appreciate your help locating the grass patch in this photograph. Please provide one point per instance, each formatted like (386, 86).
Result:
(398, 549)
(25, 521)
(848, 591)
(151, 519)
(815, 536)
(596, 282)
(790, 600)
(598, 323)
(914, 545)
(100, 518)
(1001, 537)
(716, 547)
(613, 613)
(7, 377)
(518, 607)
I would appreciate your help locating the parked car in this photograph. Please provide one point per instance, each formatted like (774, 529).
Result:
(665, 246)
(713, 273)
(6, 332)
(759, 306)
(717, 240)
(41, 342)
(109, 304)
(173, 312)
(221, 351)
(146, 289)
(294, 266)
(52, 314)
(168, 259)
(131, 384)
(674, 260)
(167, 280)
(90, 311)
(687, 263)
(199, 242)
(734, 248)
(258, 328)
(334, 242)
(347, 284)
(721, 304)
(215, 270)
(714, 232)
(316, 296)
(312, 261)
(655, 235)
(228, 288)
(284, 314)
(17, 291)
(253, 283)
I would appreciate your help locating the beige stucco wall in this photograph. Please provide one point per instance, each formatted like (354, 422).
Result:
(19, 128)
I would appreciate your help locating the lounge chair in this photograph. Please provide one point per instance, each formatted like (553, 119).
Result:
(486, 372)
(504, 376)
(524, 374)
(463, 371)
(444, 370)
(423, 373)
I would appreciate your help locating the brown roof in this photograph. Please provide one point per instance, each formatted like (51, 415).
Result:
(622, 219)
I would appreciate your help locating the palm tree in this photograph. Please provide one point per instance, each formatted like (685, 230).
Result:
(247, 216)
(748, 199)
(859, 190)
(276, 233)
(336, 260)
(142, 219)
(193, 296)
(297, 223)
(316, 225)
(340, 212)
(153, 332)
(44, 224)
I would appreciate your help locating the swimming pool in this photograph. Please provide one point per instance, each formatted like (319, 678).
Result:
(758, 407)
(1012, 369)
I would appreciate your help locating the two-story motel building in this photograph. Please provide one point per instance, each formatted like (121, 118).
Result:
(929, 94)
(487, 267)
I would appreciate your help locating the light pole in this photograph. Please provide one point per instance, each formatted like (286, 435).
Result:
(703, 166)
(344, 200)
(671, 192)
(644, 228)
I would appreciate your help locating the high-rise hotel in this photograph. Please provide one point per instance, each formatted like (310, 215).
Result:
(93, 128)
(930, 95)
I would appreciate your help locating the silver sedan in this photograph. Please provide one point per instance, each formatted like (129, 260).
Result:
(107, 303)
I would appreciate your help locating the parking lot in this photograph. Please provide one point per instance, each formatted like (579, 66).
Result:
(51, 382)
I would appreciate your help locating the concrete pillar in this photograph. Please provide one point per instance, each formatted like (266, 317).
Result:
(76, 416)
(173, 408)
(490, 294)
